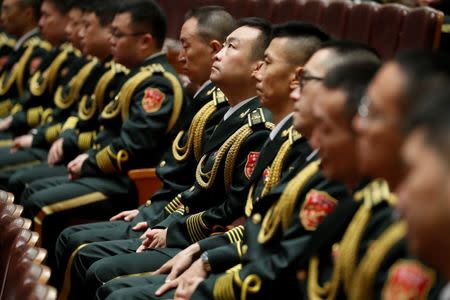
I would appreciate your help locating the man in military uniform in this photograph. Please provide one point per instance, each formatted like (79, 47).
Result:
(423, 197)
(73, 125)
(228, 154)
(31, 148)
(358, 251)
(202, 37)
(141, 120)
(20, 19)
(292, 45)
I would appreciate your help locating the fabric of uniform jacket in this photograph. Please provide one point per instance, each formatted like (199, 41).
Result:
(360, 252)
(139, 124)
(191, 229)
(276, 235)
(55, 69)
(18, 70)
(215, 162)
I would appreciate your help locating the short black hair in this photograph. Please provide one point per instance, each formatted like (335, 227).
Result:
(148, 16)
(352, 78)
(419, 66)
(431, 115)
(214, 22)
(105, 10)
(34, 4)
(63, 6)
(264, 38)
(304, 39)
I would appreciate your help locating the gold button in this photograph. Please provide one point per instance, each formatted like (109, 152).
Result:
(192, 188)
(186, 209)
(257, 199)
(301, 275)
(256, 218)
(148, 203)
(244, 249)
(162, 164)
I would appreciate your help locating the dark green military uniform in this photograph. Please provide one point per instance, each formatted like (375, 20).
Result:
(137, 128)
(19, 68)
(251, 129)
(176, 171)
(276, 233)
(78, 131)
(359, 253)
(55, 120)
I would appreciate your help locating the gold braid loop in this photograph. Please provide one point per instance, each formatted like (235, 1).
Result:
(280, 213)
(364, 278)
(195, 134)
(64, 101)
(252, 284)
(206, 179)
(16, 74)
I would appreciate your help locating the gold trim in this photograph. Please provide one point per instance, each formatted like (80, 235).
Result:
(67, 274)
(19, 165)
(6, 143)
(71, 123)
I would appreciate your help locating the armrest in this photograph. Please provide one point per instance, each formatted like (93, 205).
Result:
(146, 182)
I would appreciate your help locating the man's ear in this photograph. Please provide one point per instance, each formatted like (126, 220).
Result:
(294, 80)
(215, 46)
(147, 41)
(257, 66)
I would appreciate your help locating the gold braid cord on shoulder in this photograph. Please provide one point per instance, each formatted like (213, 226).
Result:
(206, 179)
(363, 284)
(16, 74)
(276, 169)
(75, 84)
(195, 134)
(40, 81)
(281, 212)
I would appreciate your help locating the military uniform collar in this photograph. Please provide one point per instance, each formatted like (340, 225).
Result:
(279, 126)
(25, 37)
(235, 108)
(203, 87)
(155, 57)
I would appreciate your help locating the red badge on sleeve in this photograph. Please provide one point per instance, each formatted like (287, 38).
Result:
(153, 99)
(316, 207)
(34, 64)
(252, 158)
(408, 280)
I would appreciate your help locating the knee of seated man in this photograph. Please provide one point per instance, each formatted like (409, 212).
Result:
(101, 272)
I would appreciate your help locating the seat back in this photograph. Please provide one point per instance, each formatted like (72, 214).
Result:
(312, 11)
(335, 16)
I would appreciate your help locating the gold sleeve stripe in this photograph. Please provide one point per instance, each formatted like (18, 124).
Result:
(34, 116)
(239, 248)
(173, 205)
(16, 108)
(46, 116)
(70, 123)
(196, 227)
(223, 288)
(236, 234)
(85, 140)
(52, 133)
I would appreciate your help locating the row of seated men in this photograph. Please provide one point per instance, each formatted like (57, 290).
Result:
(279, 174)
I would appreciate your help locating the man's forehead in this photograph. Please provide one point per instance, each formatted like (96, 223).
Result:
(243, 33)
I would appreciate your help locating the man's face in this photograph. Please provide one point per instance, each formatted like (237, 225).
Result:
(94, 37)
(424, 199)
(234, 62)
(74, 26)
(275, 75)
(196, 55)
(52, 23)
(377, 125)
(13, 17)
(310, 78)
(334, 136)
(125, 41)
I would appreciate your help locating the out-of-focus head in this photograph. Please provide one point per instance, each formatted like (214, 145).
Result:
(75, 24)
(311, 75)
(390, 97)
(202, 35)
(54, 19)
(291, 46)
(20, 16)
(424, 194)
(138, 31)
(336, 105)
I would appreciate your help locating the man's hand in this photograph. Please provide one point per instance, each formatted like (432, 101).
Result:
(6, 123)
(126, 215)
(22, 142)
(175, 266)
(56, 153)
(189, 281)
(140, 226)
(154, 238)
(74, 167)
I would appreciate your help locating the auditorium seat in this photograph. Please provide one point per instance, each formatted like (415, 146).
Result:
(146, 183)
(283, 10)
(334, 18)
(312, 11)
(359, 22)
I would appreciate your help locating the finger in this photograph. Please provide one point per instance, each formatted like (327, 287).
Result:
(166, 287)
(140, 249)
(118, 216)
(153, 244)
